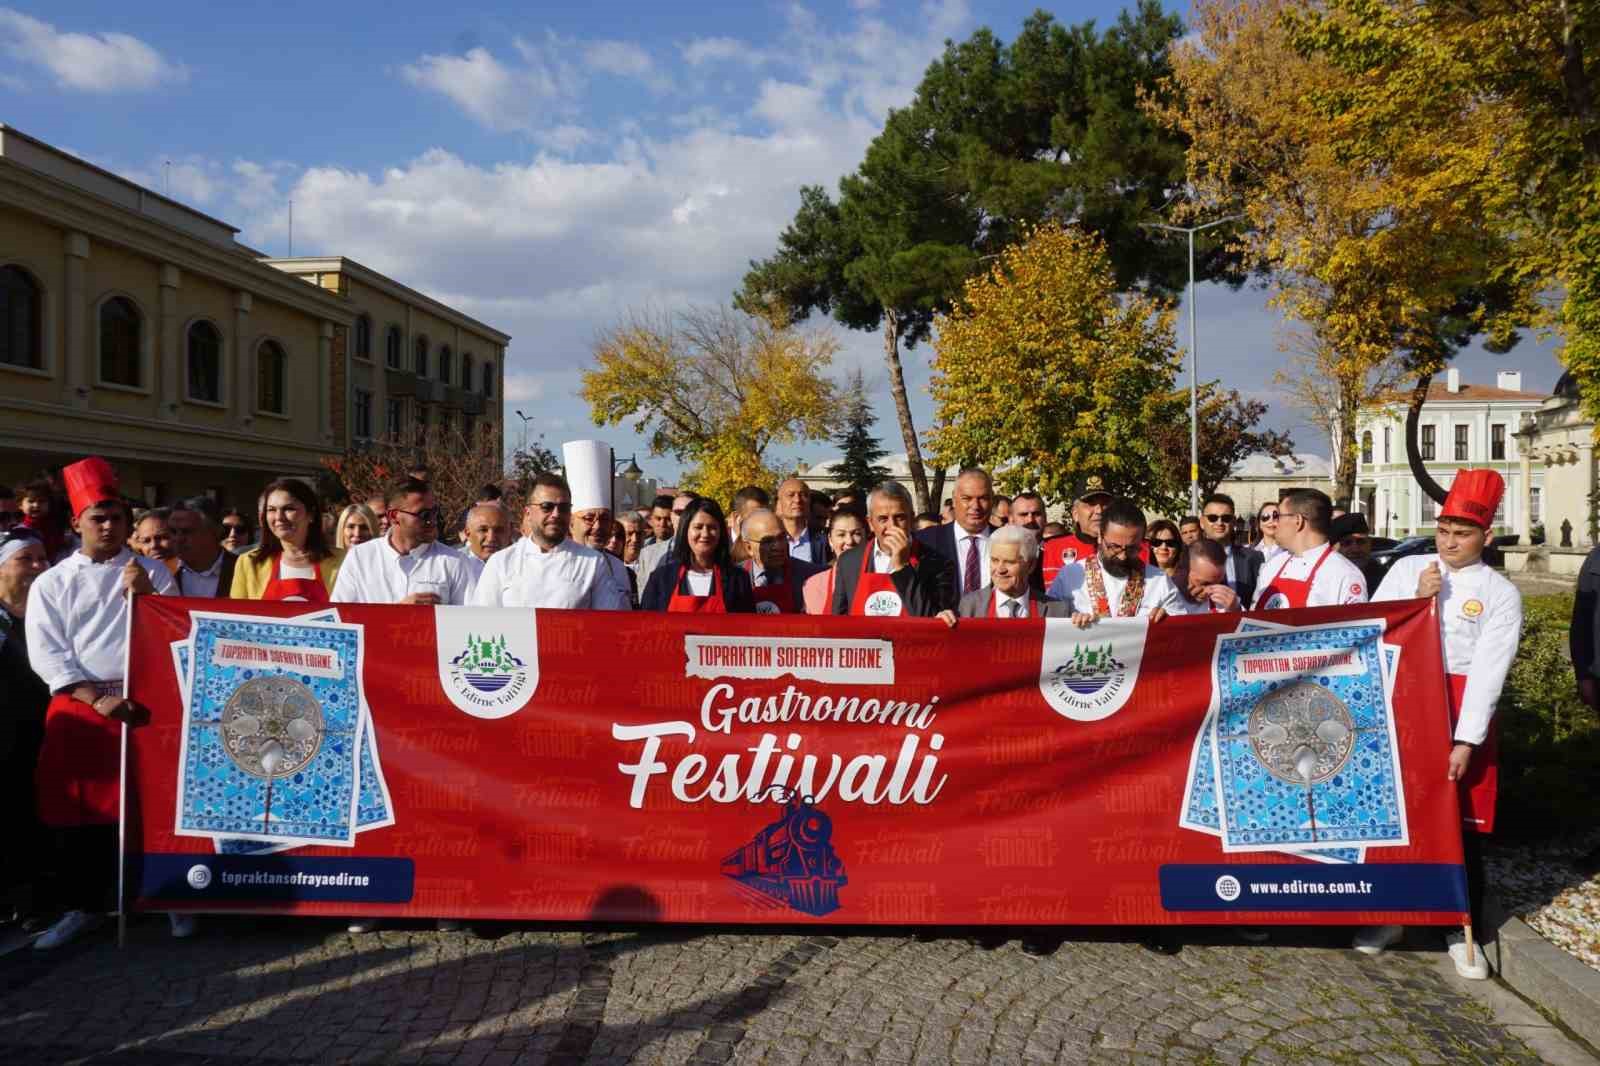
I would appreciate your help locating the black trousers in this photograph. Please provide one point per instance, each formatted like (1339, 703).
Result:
(1472, 845)
(83, 874)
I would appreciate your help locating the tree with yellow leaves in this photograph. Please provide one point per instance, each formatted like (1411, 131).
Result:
(1385, 265)
(1046, 376)
(715, 389)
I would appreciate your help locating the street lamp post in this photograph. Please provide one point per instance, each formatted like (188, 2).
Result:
(523, 444)
(1194, 359)
(630, 473)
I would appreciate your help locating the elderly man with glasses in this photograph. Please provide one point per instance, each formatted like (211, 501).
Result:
(1217, 515)
(408, 565)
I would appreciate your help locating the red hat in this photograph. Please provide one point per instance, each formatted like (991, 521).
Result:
(1474, 497)
(90, 481)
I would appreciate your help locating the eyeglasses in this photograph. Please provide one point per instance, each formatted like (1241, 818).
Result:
(1163, 542)
(428, 517)
(547, 506)
(1215, 517)
(1119, 549)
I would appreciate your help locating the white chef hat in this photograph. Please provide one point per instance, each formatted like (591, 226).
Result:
(588, 466)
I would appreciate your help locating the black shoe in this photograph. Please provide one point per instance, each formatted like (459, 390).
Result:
(1039, 945)
(925, 935)
(1162, 943)
(38, 923)
(987, 941)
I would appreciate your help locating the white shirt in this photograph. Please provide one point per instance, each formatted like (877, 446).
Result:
(650, 557)
(374, 572)
(617, 570)
(201, 582)
(963, 539)
(569, 575)
(1338, 580)
(78, 618)
(1480, 623)
(1071, 584)
(1003, 608)
(699, 582)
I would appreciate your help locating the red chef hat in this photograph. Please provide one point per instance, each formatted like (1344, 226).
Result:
(90, 481)
(1474, 497)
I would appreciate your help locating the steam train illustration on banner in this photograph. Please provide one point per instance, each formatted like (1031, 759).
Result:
(791, 860)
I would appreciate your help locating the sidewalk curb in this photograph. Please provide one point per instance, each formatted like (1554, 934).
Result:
(1544, 974)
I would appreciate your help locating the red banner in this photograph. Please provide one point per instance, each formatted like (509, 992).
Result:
(571, 765)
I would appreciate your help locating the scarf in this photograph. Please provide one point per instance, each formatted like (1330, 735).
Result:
(1132, 592)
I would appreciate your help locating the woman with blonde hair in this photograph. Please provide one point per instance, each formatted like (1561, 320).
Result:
(357, 525)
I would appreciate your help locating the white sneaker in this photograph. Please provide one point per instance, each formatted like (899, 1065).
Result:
(364, 925)
(1376, 939)
(70, 927)
(1478, 969)
(182, 925)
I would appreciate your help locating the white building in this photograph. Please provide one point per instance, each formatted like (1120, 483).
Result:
(1557, 446)
(1461, 425)
(1257, 479)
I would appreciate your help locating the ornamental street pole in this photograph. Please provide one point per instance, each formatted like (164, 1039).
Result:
(1194, 358)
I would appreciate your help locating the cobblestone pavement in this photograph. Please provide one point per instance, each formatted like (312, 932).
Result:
(305, 991)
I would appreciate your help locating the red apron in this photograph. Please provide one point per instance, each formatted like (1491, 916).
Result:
(876, 596)
(994, 607)
(1296, 592)
(1482, 780)
(774, 599)
(688, 603)
(295, 589)
(80, 765)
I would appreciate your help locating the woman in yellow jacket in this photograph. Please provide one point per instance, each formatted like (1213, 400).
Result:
(294, 561)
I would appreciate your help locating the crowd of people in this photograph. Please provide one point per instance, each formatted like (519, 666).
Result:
(73, 554)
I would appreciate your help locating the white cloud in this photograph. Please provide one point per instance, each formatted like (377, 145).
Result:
(103, 62)
(626, 60)
(703, 50)
(501, 96)
(521, 388)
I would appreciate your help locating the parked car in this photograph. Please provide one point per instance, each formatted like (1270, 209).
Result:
(1384, 558)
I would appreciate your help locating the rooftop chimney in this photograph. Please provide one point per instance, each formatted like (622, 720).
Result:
(1452, 380)
(1510, 380)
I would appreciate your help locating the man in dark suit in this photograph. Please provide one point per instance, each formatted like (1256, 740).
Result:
(793, 508)
(965, 541)
(1244, 564)
(776, 575)
(203, 567)
(894, 575)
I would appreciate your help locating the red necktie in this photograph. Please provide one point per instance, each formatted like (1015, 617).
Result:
(969, 580)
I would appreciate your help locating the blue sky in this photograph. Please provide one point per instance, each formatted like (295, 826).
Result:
(545, 169)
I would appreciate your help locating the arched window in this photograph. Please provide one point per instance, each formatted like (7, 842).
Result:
(363, 337)
(488, 378)
(1366, 447)
(21, 319)
(121, 336)
(392, 346)
(272, 373)
(467, 369)
(447, 364)
(422, 357)
(205, 362)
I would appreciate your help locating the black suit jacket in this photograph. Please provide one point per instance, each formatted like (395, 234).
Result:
(224, 577)
(736, 596)
(815, 551)
(926, 589)
(942, 539)
(1247, 563)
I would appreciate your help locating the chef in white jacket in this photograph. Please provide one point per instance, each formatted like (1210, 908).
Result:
(545, 567)
(77, 643)
(1480, 623)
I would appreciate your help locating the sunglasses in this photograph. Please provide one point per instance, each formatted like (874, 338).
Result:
(1269, 516)
(1218, 517)
(548, 506)
(1163, 542)
(233, 527)
(430, 516)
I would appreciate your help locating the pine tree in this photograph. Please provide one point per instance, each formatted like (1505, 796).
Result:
(858, 466)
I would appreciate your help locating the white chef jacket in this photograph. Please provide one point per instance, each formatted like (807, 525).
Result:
(1071, 584)
(375, 573)
(570, 575)
(78, 618)
(1480, 623)
(1338, 580)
